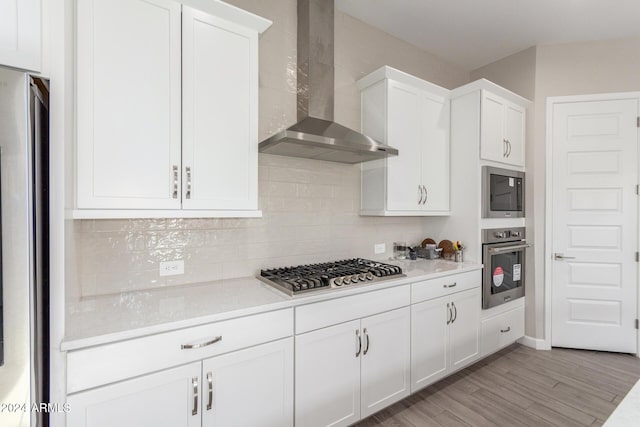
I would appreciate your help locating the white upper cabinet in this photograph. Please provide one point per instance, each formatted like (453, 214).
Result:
(404, 130)
(411, 115)
(167, 103)
(220, 113)
(514, 128)
(501, 130)
(20, 34)
(490, 120)
(128, 104)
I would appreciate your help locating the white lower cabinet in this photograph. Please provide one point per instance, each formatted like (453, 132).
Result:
(429, 342)
(248, 388)
(327, 376)
(386, 360)
(354, 356)
(501, 330)
(445, 336)
(464, 338)
(349, 371)
(163, 399)
(244, 388)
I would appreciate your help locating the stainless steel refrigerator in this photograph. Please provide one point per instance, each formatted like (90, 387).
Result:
(24, 278)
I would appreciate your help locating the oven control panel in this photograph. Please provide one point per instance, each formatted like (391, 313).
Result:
(497, 235)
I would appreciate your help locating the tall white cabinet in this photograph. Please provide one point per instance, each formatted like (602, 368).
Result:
(20, 34)
(167, 109)
(411, 115)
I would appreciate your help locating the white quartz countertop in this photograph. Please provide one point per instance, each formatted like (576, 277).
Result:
(628, 411)
(110, 318)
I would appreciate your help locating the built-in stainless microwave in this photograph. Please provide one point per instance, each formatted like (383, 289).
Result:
(502, 193)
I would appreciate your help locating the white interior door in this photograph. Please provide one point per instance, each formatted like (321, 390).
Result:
(595, 217)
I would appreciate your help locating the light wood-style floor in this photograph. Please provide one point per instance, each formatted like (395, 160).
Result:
(520, 386)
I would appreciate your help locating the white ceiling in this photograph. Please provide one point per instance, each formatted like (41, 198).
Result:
(473, 33)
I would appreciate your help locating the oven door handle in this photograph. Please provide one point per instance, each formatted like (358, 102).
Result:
(508, 248)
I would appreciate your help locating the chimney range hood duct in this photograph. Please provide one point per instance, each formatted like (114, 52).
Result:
(316, 135)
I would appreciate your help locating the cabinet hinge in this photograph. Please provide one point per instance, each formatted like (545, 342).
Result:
(637, 256)
(637, 189)
(637, 324)
(638, 121)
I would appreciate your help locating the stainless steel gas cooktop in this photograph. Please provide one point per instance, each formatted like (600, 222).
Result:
(336, 274)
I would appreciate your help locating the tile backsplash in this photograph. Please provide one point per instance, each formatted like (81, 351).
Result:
(310, 214)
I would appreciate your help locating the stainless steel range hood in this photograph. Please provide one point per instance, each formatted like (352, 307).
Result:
(316, 135)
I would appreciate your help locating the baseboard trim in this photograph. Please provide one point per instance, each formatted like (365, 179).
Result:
(538, 344)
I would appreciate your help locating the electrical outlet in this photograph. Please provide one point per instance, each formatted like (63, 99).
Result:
(172, 268)
(379, 248)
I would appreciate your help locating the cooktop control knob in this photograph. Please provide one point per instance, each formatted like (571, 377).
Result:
(337, 281)
(499, 234)
(369, 276)
(515, 233)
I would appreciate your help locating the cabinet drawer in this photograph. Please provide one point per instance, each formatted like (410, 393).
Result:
(109, 363)
(434, 288)
(327, 313)
(502, 330)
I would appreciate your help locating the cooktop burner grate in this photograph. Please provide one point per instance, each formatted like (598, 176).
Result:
(310, 277)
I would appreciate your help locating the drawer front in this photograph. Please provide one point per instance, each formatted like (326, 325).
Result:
(322, 314)
(109, 363)
(446, 285)
(502, 330)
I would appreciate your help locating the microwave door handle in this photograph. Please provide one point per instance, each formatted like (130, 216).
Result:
(508, 248)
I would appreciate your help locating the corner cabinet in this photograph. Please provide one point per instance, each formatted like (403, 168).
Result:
(167, 110)
(20, 38)
(411, 115)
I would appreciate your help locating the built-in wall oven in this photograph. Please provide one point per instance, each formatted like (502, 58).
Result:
(502, 193)
(503, 256)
